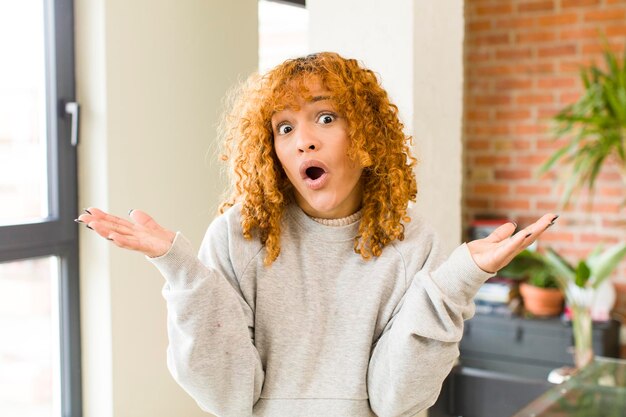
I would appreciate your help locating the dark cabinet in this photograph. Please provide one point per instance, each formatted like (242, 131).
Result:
(505, 362)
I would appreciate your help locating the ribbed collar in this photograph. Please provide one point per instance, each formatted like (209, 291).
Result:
(329, 233)
(344, 221)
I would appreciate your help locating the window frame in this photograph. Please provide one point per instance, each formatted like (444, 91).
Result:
(57, 235)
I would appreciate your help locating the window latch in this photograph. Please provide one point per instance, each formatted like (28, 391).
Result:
(73, 109)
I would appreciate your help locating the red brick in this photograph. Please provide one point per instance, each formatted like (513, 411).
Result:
(513, 114)
(491, 189)
(530, 129)
(558, 19)
(477, 115)
(596, 48)
(479, 26)
(514, 84)
(533, 189)
(535, 37)
(512, 204)
(512, 174)
(615, 31)
(508, 144)
(533, 68)
(575, 66)
(550, 144)
(476, 203)
(490, 100)
(479, 85)
(576, 33)
(548, 206)
(494, 9)
(606, 208)
(557, 82)
(548, 112)
(568, 98)
(494, 70)
(534, 6)
(603, 15)
(556, 51)
(477, 144)
(611, 191)
(534, 99)
(578, 3)
(533, 159)
(491, 39)
(516, 23)
(596, 239)
(478, 56)
(613, 224)
(489, 130)
(609, 176)
(492, 160)
(513, 53)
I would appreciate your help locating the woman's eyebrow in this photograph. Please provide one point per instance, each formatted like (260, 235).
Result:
(319, 98)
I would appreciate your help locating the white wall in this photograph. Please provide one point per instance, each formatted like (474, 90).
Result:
(150, 77)
(417, 48)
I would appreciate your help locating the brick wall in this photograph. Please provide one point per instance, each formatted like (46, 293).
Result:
(522, 62)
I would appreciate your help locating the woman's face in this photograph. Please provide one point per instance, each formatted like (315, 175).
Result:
(312, 146)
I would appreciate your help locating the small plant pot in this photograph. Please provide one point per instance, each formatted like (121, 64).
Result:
(541, 301)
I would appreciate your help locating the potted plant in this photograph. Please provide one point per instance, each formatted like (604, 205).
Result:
(539, 289)
(595, 126)
(580, 284)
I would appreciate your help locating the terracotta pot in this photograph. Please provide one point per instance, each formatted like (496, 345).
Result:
(541, 301)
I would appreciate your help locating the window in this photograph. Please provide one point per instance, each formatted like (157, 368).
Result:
(283, 32)
(39, 314)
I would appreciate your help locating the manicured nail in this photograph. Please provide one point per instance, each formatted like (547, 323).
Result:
(78, 221)
(130, 211)
(89, 227)
(87, 211)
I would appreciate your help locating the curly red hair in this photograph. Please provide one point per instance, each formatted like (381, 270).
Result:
(377, 142)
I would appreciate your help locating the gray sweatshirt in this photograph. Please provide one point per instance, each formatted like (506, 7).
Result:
(320, 332)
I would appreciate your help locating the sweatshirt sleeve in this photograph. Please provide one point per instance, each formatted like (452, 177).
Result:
(419, 345)
(211, 352)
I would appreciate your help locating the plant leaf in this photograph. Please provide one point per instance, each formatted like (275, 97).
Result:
(582, 274)
(604, 264)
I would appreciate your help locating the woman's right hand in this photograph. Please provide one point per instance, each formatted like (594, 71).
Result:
(144, 235)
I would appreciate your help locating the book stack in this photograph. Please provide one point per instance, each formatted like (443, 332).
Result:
(498, 296)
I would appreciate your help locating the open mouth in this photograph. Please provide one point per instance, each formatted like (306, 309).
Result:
(314, 172)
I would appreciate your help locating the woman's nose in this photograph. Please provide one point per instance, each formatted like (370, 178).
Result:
(307, 142)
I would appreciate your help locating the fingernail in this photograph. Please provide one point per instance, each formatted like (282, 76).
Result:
(108, 238)
(89, 227)
(87, 211)
(130, 211)
(527, 236)
(514, 224)
(78, 221)
(553, 220)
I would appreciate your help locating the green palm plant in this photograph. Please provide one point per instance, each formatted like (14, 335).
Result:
(588, 273)
(596, 124)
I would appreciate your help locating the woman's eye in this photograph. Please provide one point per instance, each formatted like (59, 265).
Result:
(326, 119)
(284, 129)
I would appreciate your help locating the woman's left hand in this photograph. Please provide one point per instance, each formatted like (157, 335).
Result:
(498, 249)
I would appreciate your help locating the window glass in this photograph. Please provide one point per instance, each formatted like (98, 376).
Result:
(23, 139)
(29, 329)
